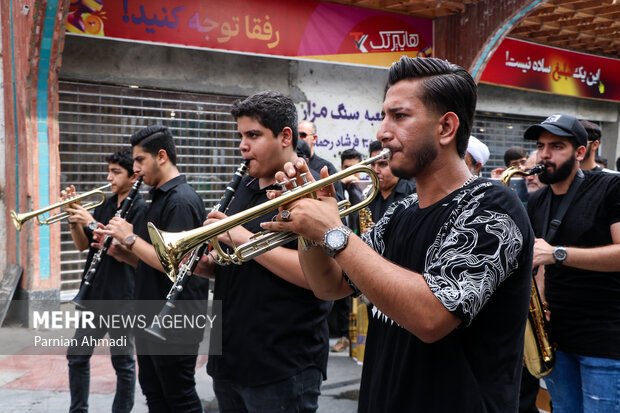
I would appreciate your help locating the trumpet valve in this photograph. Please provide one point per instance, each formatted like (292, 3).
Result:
(283, 186)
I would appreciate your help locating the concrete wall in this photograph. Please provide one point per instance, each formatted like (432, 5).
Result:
(312, 85)
(342, 100)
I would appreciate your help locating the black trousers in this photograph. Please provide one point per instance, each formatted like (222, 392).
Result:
(79, 369)
(166, 375)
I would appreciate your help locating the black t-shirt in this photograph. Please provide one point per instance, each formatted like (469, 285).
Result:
(175, 207)
(317, 163)
(585, 305)
(474, 249)
(271, 329)
(379, 205)
(113, 280)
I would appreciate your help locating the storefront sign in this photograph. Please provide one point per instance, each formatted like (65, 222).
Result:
(302, 28)
(525, 65)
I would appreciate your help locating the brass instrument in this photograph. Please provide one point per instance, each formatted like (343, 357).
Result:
(19, 219)
(171, 248)
(365, 215)
(358, 317)
(538, 350)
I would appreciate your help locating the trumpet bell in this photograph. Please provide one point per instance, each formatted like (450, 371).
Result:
(19, 219)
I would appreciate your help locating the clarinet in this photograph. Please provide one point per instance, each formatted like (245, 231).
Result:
(186, 269)
(126, 205)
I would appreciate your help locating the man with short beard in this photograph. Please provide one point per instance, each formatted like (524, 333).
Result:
(448, 268)
(582, 268)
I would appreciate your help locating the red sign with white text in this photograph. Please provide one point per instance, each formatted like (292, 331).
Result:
(303, 28)
(525, 65)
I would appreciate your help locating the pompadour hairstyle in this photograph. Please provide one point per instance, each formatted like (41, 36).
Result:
(446, 88)
(154, 138)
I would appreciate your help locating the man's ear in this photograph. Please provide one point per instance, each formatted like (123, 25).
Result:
(448, 126)
(595, 145)
(580, 153)
(287, 137)
(162, 156)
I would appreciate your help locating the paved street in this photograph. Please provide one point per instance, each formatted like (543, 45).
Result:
(39, 383)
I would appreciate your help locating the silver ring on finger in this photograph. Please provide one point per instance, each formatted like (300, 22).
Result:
(285, 215)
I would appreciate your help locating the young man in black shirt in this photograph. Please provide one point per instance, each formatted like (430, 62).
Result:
(275, 339)
(448, 269)
(166, 370)
(113, 281)
(582, 268)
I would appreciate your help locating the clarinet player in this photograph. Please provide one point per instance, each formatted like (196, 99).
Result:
(114, 281)
(166, 370)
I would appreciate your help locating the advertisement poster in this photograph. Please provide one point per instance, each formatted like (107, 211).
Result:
(304, 28)
(525, 65)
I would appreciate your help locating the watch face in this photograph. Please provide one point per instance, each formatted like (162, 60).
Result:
(335, 239)
(92, 226)
(559, 254)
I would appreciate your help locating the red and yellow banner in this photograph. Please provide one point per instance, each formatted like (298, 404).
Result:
(301, 28)
(525, 65)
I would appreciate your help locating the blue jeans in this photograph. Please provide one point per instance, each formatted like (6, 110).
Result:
(299, 393)
(579, 384)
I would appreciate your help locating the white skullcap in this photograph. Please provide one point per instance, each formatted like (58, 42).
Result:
(478, 150)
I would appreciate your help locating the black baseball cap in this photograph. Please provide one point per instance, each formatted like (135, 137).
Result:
(560, 125)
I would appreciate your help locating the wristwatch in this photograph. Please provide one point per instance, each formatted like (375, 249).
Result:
(335, 240)
(92, 226)
(559, 253)
(130, 240)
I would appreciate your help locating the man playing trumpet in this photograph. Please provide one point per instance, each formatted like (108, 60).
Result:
(274, 330)
(448, 269)
(113, 281)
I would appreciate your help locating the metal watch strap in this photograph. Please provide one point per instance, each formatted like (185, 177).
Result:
(331, 251)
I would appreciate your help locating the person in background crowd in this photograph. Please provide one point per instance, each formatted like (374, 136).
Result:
(307, 133)
(590, 162)
(594, 141)
(515, 157)
(447, 328)
(601, 161)
(582, 268)
(532, 182)
(391, 188)
(346, 189)
(477, 155)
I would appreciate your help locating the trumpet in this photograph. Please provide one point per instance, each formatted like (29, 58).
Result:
(19, 219)
(172, 247)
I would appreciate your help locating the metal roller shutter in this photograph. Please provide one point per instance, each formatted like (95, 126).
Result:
(97, 119)
(499, 132)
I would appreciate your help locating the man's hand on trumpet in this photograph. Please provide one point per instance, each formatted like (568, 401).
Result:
(307, 217)
(79, 214)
